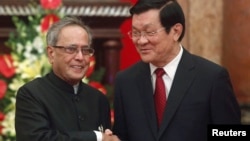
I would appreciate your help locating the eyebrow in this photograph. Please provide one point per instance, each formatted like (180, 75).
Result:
(82, 46)
(144, 27)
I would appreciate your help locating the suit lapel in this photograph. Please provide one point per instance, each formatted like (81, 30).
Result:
(183, 78)
(146, 94)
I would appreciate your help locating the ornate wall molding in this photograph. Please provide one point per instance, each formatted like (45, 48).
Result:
(103, 8)
(81, 10)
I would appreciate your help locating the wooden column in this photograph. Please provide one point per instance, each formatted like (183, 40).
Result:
(111, 59)
(236, 46)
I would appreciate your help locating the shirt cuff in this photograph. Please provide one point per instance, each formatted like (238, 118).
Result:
(98, 135)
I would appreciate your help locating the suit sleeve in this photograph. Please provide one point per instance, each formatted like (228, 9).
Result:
(119, 127)
(224, 106)
(105, 112)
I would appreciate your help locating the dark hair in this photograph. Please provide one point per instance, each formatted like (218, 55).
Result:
(171, 12)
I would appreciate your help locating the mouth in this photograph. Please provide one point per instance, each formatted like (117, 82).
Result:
(78, 67)
(145, 51)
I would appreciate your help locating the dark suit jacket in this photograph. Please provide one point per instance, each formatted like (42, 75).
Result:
(201, 94)
(48, 110)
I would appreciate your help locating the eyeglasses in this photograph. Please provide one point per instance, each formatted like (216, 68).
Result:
(135, 35)
(74, 50)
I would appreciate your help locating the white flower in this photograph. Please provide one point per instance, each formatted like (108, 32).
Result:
(38, 44)
(8, 124)
(19, 48)
(16, 83)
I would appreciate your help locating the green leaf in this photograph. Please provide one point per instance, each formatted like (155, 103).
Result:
(97, 75)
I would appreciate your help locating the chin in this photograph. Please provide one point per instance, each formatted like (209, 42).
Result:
(77, 76)
(146, 59)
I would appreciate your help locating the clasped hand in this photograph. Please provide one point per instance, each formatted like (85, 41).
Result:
(108, 136)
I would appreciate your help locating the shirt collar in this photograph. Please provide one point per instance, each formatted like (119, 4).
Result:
(76, 88)
(171, 67)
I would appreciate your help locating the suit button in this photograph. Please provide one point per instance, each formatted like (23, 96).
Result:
(80, 117)
(76, 98)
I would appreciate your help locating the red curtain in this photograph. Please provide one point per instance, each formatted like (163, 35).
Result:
(128, 54)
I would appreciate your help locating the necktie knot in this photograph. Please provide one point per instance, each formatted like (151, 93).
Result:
(159, 72)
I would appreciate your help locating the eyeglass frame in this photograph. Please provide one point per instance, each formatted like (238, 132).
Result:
(144, 34)
(74, 50)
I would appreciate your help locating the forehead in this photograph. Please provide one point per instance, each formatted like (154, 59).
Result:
(146, 19)
(76, 29)
(73, 33)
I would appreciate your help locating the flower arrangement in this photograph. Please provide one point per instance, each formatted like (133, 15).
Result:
(28, 60)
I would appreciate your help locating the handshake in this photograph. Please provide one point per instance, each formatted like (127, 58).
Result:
(107, 135)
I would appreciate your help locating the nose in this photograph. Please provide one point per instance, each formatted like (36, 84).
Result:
(142, 40)
(79, 55)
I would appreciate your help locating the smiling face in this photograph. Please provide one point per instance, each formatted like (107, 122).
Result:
(160, 48)
(70, 67)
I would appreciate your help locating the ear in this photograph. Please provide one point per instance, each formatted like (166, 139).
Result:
(177, 30)
(50, 53)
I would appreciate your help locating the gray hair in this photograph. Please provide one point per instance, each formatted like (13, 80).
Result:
(54, 30)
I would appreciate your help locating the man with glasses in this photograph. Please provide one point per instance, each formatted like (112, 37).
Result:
(59, 106)
(185, 93)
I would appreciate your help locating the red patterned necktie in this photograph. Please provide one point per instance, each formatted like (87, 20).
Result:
(160, 95)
